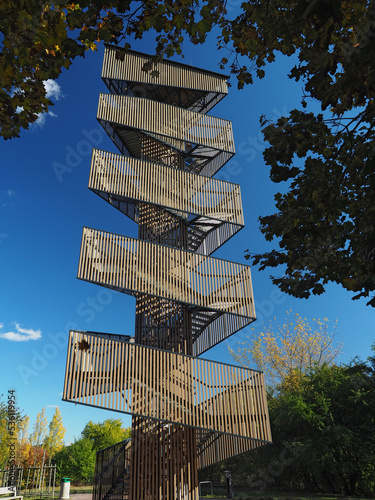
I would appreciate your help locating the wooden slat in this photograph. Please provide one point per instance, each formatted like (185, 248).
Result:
(217, 387)
(218, 285)
(175, 126)
(132, 271)
(127, 66)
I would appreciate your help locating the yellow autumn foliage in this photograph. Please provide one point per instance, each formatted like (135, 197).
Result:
(54, 441)
(285, 352)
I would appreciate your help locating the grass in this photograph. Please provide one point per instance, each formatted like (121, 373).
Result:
(241, 493)
(73, 491)
(80, 489)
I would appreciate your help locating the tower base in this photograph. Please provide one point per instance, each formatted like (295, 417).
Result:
(163, 461)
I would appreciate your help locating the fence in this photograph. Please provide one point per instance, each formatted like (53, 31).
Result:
(32, 481)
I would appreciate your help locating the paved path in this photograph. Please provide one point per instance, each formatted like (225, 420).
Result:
(88, 496)
(81, 496)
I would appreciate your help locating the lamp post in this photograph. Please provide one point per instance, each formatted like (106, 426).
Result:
(228, 476)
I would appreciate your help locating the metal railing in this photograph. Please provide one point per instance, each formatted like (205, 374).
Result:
(111, 471)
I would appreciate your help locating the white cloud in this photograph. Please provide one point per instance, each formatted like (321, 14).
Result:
(53, 89)
(51, 406)
(11, 192)
(40, 121)
(21, 334)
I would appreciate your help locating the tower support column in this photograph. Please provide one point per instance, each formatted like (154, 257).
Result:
(163, 462)
(164, 456)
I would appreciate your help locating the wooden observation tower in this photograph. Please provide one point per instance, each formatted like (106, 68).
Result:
(188, 412)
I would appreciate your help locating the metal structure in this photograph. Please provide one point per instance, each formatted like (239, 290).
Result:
(32, 481)
(200, 487)
(188, 412)
(112, 472)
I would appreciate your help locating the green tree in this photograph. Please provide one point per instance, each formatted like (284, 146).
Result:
(54, 441)
(324, 220)
(323, 435)
(290, 351)
(330, 422)
(105, 434)
(323, 223)
(76, 461)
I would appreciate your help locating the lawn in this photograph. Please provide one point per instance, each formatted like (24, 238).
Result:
(246, 494)
(239, 494)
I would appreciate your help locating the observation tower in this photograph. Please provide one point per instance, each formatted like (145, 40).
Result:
(187, 412)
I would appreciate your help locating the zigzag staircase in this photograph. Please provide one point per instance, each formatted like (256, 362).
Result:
(188, 412)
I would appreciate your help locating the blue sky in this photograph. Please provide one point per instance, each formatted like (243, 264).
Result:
(44, 202)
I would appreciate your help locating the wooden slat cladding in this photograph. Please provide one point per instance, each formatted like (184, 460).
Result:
(121, 178)
(167, 121)
(167, 386)
(119, 64)
(218, 330)
(137, 266)
(165, 186)
(219, 447)
(163, 460)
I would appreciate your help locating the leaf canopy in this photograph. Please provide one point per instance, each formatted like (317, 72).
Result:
(325, 223)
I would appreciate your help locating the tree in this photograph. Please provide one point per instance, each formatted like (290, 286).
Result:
(5, 436)
(323, 435)
(25, 453)
(76, 461)
(54, 441)
(4, 450)
(324, 222)
(24, 446)
(329, 422)
(42, 37)
(296, 348)
(36, 46)
(105, 434)
(40, 429)
(33, 456)
(24, 430)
